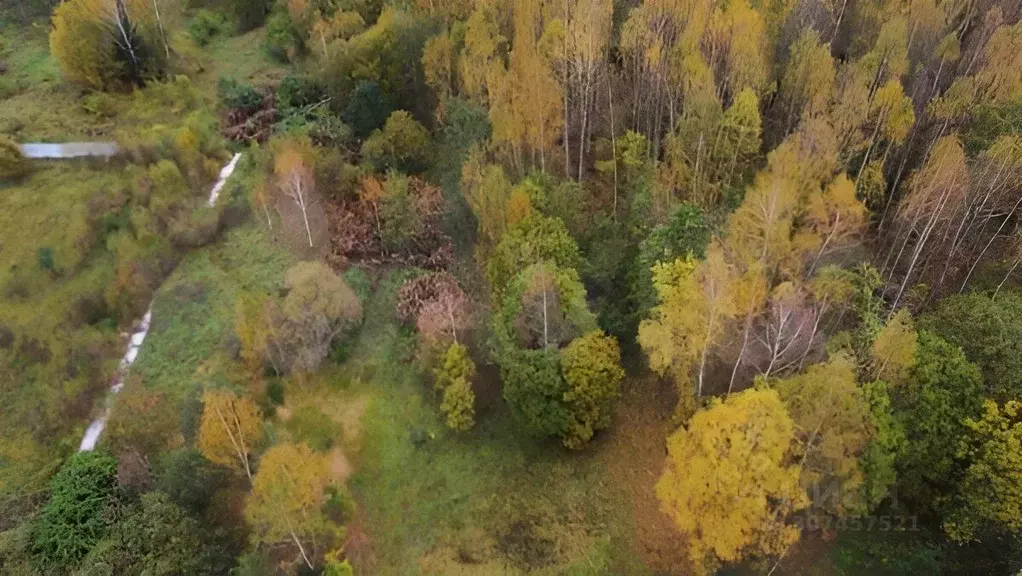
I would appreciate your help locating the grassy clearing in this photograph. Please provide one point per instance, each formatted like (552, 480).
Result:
(193, 312)
(493, 501)
(240, 57)
(35, 102)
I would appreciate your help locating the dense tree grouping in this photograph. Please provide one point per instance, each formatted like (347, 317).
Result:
(803, 215)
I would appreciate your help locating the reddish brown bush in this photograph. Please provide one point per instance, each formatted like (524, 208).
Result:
(364, 229)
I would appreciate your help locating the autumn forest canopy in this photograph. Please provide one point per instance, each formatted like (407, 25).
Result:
(512, 286)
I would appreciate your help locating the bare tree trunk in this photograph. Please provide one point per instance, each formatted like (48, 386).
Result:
(298, 195)
(840, 15)
(985, 248)
(120, 16)
(582, 130)
(613, 139)
(741, 353)
(837, 222)
(872, 140)
(917, 251)
(812, 335)
(159, 23)
(546, 339)
(567, 83)
(298, 542)
(1006, 276)
(239, 443)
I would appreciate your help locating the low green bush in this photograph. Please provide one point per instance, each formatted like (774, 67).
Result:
(207, 26)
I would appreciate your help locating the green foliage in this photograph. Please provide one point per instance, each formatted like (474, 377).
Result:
(943, 390)
(888, 553)
(188, 479)
(534, 389)
(297, 93)
(310, 425)
(454, 380)
(387, 54)
(685, 235)
(401, 221)
(44, 258)
(367, 109)
(465, 125)
(543, 307)
(459, 406)
(989, 121)
(879, 460)
(989, 332)
(403, 145)
(237, 95)
(283, 42)
(990, 494)
(534, 239)
(592, 369)
(359, 282)
(156, 537)
(13, 164)
(249, 14)
(76, 517)
(207, 26)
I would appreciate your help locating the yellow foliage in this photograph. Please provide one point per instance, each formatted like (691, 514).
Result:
(230, 426)
(730, 482)
(84, 36)
(518, 207)
(894, 349)
(674, 335)
(833, 429)
(287, 497)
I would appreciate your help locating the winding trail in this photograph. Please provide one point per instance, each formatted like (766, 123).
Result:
(139, 333)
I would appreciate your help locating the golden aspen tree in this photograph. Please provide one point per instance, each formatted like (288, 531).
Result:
(729, 483)
(808, 80)
(893, 352)
(693, 306)
(287, 496)
(760, 229)
(588, 35)
(748, 296)
(487, 191)
(525, 100)
(301, 214)
(438, 65)
(230, 427)
(102, 43)
(672, 336)
(252, 330)
(938, 190)
(894, 117)
(833, 431)
(738, 35)
(835, 215)
(481, 54)
(715, 276)
(341, 26)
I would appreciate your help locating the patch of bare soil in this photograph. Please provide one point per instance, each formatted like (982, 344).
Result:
(635, 459)
(340, 466)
